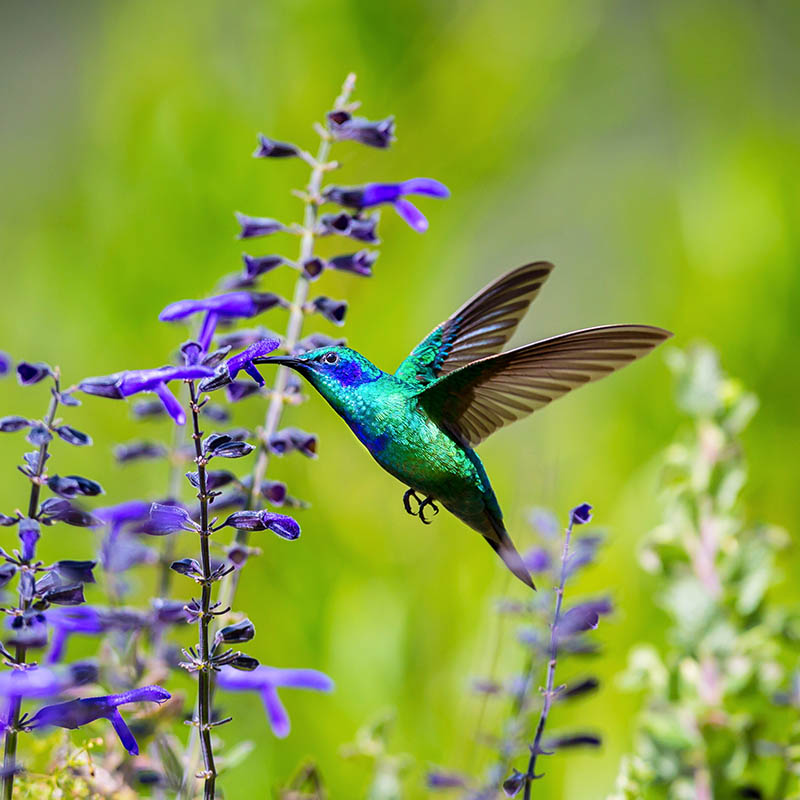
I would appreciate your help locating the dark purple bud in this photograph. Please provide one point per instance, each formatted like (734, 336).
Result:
(573, 690)
(187, 566)
(257, 226)
(7, 572)
(75, 713)
(192, 353)
(168, 519)
(29, 535)
(333, 310)
(38, 435)
(28, 630)
(581, 514)
(238, 390)
(312, 268)
(244, 663)
(65, 595)
(359, 263)
(7, 522)
(225, 446)
(69, 571)
(358, 129)
(363, 229)
(5, 363)
(289, 439)
(513, 784)
(216, 413)
(269, 148)
(274, 492)
(314, 341)
(217, 357)
(131, 451)
(583, 617)
(102, 386)
(147, 408)
(573, 740)
(445, 780)
(28, 373)
(254, 266)
(238, 633)
(13, 424)
(73, 485)
(285, 527)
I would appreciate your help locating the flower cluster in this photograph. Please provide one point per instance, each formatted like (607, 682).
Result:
(721, 701)
(548, 633)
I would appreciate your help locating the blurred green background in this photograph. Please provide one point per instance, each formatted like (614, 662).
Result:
(650, 150)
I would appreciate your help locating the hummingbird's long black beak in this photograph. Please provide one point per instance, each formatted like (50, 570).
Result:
(285, 361)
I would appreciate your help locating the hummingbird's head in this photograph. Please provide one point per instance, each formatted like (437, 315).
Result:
(335, 372)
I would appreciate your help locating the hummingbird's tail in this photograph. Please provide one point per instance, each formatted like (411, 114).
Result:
(501, 543)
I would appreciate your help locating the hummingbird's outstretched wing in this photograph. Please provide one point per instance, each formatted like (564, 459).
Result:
(478, 329)
(476, 400)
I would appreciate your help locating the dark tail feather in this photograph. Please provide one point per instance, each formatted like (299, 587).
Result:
(504, 547)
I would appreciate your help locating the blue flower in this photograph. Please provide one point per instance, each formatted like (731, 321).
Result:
(130, 382)
(77, 713)
(232, 304)
(266, 681)
(375, 194)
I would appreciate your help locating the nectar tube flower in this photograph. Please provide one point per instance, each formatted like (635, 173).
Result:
(77, 713)
(226, 373)
(266, 681)
(375, 194)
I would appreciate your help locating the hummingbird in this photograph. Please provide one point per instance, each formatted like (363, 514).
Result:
(457, 387)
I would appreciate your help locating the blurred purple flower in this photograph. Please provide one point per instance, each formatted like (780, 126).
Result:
(76, 713)
(132, 451)
(29, 535)
(232, 304)
(266, 681)
(269, 148)
(88, 620)
(28, 373)
(375, 194)
(5, 363)
(359, 263)
(44, 681)
(257, 226)
(373, 134)
(289, 439)
(583, 617)
(227, 372)
(363, 229)
(333, 310)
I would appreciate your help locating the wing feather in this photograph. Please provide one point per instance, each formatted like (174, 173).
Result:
(474, 401)
(481, 327)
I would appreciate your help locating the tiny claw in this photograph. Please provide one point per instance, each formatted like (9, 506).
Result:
(407, 502)
(421, 513)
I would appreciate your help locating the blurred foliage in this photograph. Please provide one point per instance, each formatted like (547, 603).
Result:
(720, 718)
(648, 149)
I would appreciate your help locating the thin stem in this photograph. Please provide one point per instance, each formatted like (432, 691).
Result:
(204, 676)
(10, 751)
(536, 747)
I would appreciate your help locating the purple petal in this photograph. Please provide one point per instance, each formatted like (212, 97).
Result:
(167, 519)
(276, 712)
(412, 215)
(171, 404)
(426, 186)
(257, 226)
(583, 617)
(146, 380)
(5, 363)
(129, 511)
(298, 678)
(208, 330)
(124, 732)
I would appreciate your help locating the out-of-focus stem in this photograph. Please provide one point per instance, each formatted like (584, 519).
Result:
(10, 753)
(549, 693)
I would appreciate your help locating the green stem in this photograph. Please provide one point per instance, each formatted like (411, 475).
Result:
(10, 750)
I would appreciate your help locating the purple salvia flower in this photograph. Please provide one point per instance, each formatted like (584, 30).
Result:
(257, 226)
(168, 519)
(132, 451)
(77, 713)
(232, 304)
(359, 263)
(29, 535)
(363, 229)
(285, 527)
(583, 617)
(71, 486)
(333, 310)
(28, 373)
(373, 134)
(375, 194)
(238, 390)
(269, 148)
(244, 360)
(537, 560)
(289, 439)
(266, 681)
(258, 265)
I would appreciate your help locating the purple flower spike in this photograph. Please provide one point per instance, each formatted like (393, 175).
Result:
(5, 363)
(375, 194)
(285, 527)
(373, 134)
(266, 681)
(269, 148)
(257, 226)
(77, 713)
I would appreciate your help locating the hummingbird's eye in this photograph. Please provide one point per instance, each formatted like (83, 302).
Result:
(330, 358)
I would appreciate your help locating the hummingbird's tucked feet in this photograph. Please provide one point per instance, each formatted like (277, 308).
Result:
(421, 513)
